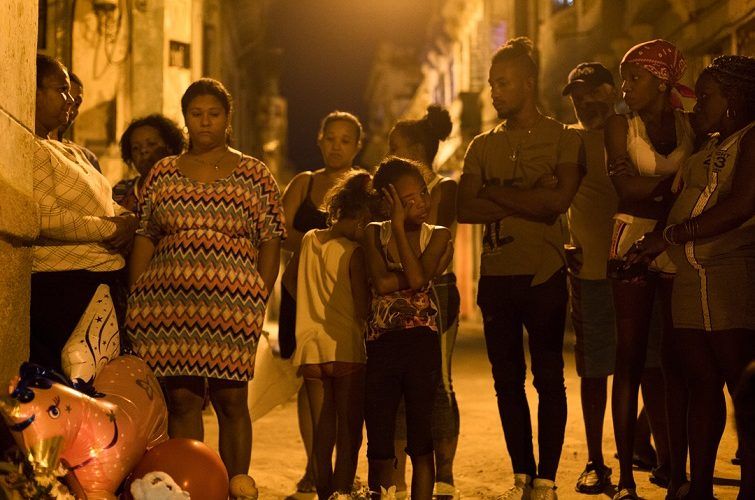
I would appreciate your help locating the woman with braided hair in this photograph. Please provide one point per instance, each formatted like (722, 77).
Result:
(710, 237)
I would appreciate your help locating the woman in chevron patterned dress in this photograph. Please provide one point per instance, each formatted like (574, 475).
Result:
(204, 260)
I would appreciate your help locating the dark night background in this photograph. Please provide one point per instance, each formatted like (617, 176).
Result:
(328, 48)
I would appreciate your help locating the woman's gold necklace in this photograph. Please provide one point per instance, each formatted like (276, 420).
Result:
(215, 164)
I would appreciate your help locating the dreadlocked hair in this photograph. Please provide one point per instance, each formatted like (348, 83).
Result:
(736, 76)
(520, 50)
(350, 197)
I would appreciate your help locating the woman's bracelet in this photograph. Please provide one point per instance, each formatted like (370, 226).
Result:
(668, 235)
(690, 227)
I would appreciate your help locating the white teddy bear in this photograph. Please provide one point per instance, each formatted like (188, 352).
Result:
(157, 486)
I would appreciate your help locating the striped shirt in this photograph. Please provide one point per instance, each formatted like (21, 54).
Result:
(74, 199)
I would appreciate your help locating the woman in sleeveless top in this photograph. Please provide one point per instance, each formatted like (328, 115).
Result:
(645, 149)
(339, 139)
(419, 140)
(710, 237)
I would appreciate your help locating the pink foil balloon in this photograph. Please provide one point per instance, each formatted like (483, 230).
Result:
(101, 439)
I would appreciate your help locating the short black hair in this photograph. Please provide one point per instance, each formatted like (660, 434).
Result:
(428, 131)
(520, 50)
(167, 128)
(736, 76)
(391, 169)
(46, 65)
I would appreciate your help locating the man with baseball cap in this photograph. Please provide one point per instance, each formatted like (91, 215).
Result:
(594, 98)
(591, 89)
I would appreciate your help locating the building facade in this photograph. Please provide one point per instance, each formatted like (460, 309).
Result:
(18, 215)
(137, 58)
(450, 70)
(572, 31)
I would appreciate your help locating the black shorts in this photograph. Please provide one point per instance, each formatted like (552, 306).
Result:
(401, 363)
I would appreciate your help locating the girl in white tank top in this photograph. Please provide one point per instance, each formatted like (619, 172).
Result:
(331, 308)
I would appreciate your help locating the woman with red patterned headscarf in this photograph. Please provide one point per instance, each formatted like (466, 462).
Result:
(646, 148)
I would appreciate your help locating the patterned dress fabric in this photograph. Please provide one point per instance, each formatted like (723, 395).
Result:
(198, 309)
(402, 309)
(124, 194)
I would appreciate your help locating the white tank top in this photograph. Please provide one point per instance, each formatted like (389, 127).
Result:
(326, 326)
(647, 160)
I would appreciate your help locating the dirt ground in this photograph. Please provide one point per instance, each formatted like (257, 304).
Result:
(482, 467)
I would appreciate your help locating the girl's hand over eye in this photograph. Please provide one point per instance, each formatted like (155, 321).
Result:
(396, 207)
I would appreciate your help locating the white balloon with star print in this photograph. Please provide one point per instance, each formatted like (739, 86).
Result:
(95, 341)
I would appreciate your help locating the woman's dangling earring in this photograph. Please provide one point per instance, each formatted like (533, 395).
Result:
(662, 87)
(730, 114)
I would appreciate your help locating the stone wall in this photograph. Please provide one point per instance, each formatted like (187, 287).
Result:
(18, 215)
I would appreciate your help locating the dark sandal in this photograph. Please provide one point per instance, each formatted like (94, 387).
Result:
(659, 476)
(626, 494)
(594, 479)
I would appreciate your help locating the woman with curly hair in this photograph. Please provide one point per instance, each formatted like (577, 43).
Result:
(710, 237)
(145, 141)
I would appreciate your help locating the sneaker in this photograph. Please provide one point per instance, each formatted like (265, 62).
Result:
(521, 489)
(389, 494)
(445, 491)
(359, 490)
(543, 489)
(626, 494)
(594, 479)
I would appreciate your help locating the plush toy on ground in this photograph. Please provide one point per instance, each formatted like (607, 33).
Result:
(157, 486)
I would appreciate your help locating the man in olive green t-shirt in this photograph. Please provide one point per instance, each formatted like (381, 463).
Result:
(518, 179)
